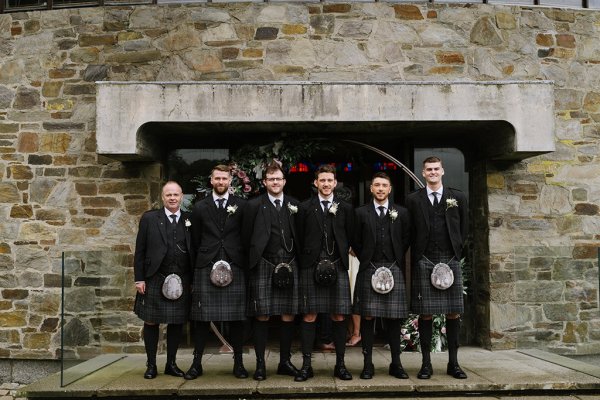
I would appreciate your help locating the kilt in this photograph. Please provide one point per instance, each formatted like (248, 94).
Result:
(426, 299)
(264, 298)
(212, 303)
(155, 308)
(369, 303)
(334, 299)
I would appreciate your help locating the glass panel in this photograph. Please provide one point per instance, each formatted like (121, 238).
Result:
(72, 3)
(116, 2)
(594, 3)
(12, 4)
(562, 3)
(525, 2)
(454, 166)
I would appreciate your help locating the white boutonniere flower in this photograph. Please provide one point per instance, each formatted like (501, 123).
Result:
(232, 209)
(393, 214)
(187, 223)
(293, 209)
(451, 203)
(334, 208)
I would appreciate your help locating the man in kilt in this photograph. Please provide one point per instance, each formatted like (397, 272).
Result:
(324, 226)
(163, 246)
(270, 235)
(381, 239)
(217, 237)
(439, 223)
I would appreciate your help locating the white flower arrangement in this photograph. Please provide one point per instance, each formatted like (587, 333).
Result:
(187, 223)
(451, 202)
(293, 209)
(232, 209)
(393, 214)
(334, 208)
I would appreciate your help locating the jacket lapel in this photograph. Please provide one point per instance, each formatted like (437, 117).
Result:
(372, 222)
(162, 226)
(425, 204)
(317, 211)
(266, 215)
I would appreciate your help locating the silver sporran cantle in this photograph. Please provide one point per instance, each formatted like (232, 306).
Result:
(172, 287)
(442, 276)
(221, 274)
(382, 280)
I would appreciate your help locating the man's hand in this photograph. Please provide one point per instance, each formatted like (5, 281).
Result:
(140, 287)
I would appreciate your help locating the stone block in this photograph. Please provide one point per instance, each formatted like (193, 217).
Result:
(449, 57)
(94, 73)
(55, 281)
(86, 189)
(26, 98)
(85, 222)
(322, 24)
(266, 33)
(582, 252)
(8, 127)
(55, 142)
(100, 212)
(15, 294)
(575, 332)
(13, 319)
(133, 57)
(293, 29)
(36, 231)
(539, 292)
(34, 159)
(591, 102)
(85, 172)
(544, 39)
(406, 12)
(123, 188)
(561, 312)
(252, 53)
(51, 88)
(21, 211)
(76, 333)
(79, 89)
(506, 21)
(63, 126)
(60, 104)
(19, 172)
(4, 248)
(9, 193)
(49, 325)
(39, 190)
(86, 40)
(49, 215)
(484, 33)
(101, 202)
(61, 73)
(586, 209)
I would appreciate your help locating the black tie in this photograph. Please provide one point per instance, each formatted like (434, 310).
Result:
(174, 218)
(381, 211)
(325, 206)
(221, 203)
(435, 199)
(278, 204)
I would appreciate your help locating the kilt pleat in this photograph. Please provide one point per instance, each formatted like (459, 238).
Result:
(426, 299)
(264, 298)
(211, 303)
(369, 303)
(155, 308)
(334, 299)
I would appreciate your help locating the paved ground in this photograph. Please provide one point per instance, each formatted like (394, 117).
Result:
(492, 375)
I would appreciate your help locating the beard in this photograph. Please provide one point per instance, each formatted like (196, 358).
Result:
(220, 190)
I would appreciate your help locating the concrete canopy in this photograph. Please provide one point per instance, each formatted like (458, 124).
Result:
(522, 111)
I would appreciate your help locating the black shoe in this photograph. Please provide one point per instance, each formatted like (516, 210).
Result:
(194, 371)
(368, 371)
(151, 371)
(260, 374)
(341, 372)
(425, 372)
(287, 368)
(455, 371)
(397, 371)
(304, 373)
(238, 370)
(173, 370)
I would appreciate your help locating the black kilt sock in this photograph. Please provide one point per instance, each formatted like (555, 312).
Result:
(393, 331)
(307, 332)
(151, 342)
(200, 332)
(174, 332)
(261, 331)
(452, 333)
(236, 334)
(339, 339)
(366, 333)
(425, 328)
(285, 340)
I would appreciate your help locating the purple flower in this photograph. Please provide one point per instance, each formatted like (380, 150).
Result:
(246, 180)
(241, 174)
(247, 188)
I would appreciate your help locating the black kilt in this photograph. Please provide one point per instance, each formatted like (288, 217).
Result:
(334, 299)
(153, 307)
(426, 299)
(369, 303)
(212, 303)
(264, 298)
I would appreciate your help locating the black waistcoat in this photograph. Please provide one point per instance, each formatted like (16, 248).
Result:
(177, 259)
(281, 244)
(439, 239)
(384, 252)
(329, 248)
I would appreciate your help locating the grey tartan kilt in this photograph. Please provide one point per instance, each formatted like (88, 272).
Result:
(212, 303)
(426, 299)
(369, 303)
(333, 299)
(264, 298)
(155, 308)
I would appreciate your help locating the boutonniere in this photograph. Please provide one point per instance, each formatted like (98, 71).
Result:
(187, 223)
(293, 209)
(451, 203)
(232, 209)
(393, 214)
(334, 208)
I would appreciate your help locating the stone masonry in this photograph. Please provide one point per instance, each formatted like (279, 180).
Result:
(537, 220)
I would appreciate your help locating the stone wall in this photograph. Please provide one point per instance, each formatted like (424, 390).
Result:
(57, 194)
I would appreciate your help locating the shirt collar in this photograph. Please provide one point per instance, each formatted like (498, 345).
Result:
(169, 213)
(273, 198)
(385, 205)
(440, 191)
(330, 199)
(225, 196)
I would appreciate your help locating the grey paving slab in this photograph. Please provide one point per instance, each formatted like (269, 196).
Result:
(576, 365)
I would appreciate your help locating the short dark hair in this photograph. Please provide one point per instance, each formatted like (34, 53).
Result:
(325, 168)
(273, 168)
(222, 168)
(432, 159)
(383, 175)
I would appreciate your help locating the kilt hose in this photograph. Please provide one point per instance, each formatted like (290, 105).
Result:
(426, 299)
(334, 299)
(369, 303)
(153, 307)
(266, 299)
(212, 303)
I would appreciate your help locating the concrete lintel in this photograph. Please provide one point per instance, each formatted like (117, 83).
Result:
(123, 107)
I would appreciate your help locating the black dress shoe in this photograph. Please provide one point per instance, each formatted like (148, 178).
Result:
(368, 371)
(341, 372)
(239, 371)
(397, 371)
(425, 372)
(151, 371)
(194, 371)
(260, 373)
(287, 368)
(304, 373)
(455, 371)
(173, 370)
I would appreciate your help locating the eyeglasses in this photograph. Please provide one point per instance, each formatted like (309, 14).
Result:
(274, 179)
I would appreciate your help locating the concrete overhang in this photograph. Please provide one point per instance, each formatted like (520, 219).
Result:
(523, 110)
